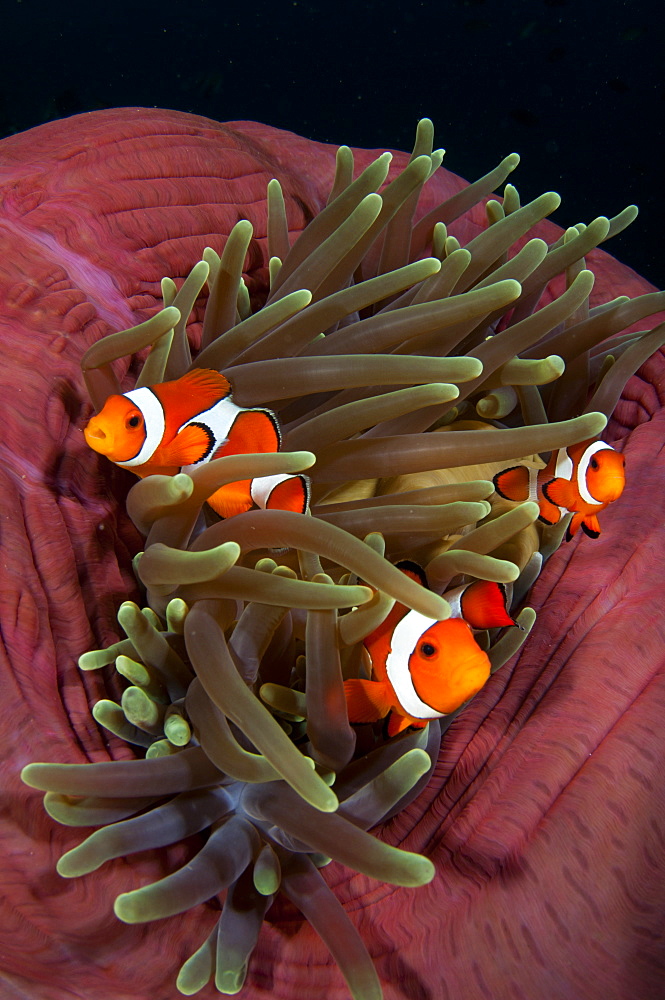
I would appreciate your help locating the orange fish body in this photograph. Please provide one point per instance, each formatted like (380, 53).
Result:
(581, 480)
(424, 669)
(177, 426)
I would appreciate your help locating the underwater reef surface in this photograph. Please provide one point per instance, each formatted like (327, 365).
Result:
(545, 813)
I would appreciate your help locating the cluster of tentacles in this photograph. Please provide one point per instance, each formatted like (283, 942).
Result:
(401, 388)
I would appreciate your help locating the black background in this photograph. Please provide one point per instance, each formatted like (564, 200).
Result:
(576, 88)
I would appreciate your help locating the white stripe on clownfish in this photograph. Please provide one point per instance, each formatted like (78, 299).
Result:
(454, 598)
(583, 467)
(405, 638)
(564, 465)
(533, 485)
(152, 411)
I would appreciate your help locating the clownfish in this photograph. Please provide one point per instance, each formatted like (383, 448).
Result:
(180, 425)
(422, 668)
(581, 480)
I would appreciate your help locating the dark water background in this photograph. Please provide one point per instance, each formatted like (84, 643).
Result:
(577, 88)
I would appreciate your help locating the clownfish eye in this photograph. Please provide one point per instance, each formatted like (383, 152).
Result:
(594, 463)
(428, 650)
(133, 421)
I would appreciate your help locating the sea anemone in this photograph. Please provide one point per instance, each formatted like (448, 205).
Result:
(403, 383)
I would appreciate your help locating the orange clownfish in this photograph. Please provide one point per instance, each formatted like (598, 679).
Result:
(422, 668)
(177, 426)
(580, 480)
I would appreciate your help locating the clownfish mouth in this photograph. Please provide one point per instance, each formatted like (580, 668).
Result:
(103, 441)
(96, 437)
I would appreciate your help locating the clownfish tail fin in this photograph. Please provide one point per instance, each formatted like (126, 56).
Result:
(484, 605)
(282, 492)
(513, 483)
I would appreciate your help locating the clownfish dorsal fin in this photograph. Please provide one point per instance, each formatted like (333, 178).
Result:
(200, 388)
(413, 570)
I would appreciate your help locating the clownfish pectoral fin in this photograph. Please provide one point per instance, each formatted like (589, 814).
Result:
(367, 701)
(232, 499)
(513, 483)
(398, 723)
(562, 493)
(590, 526)
(483, 605)
(190, 445)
